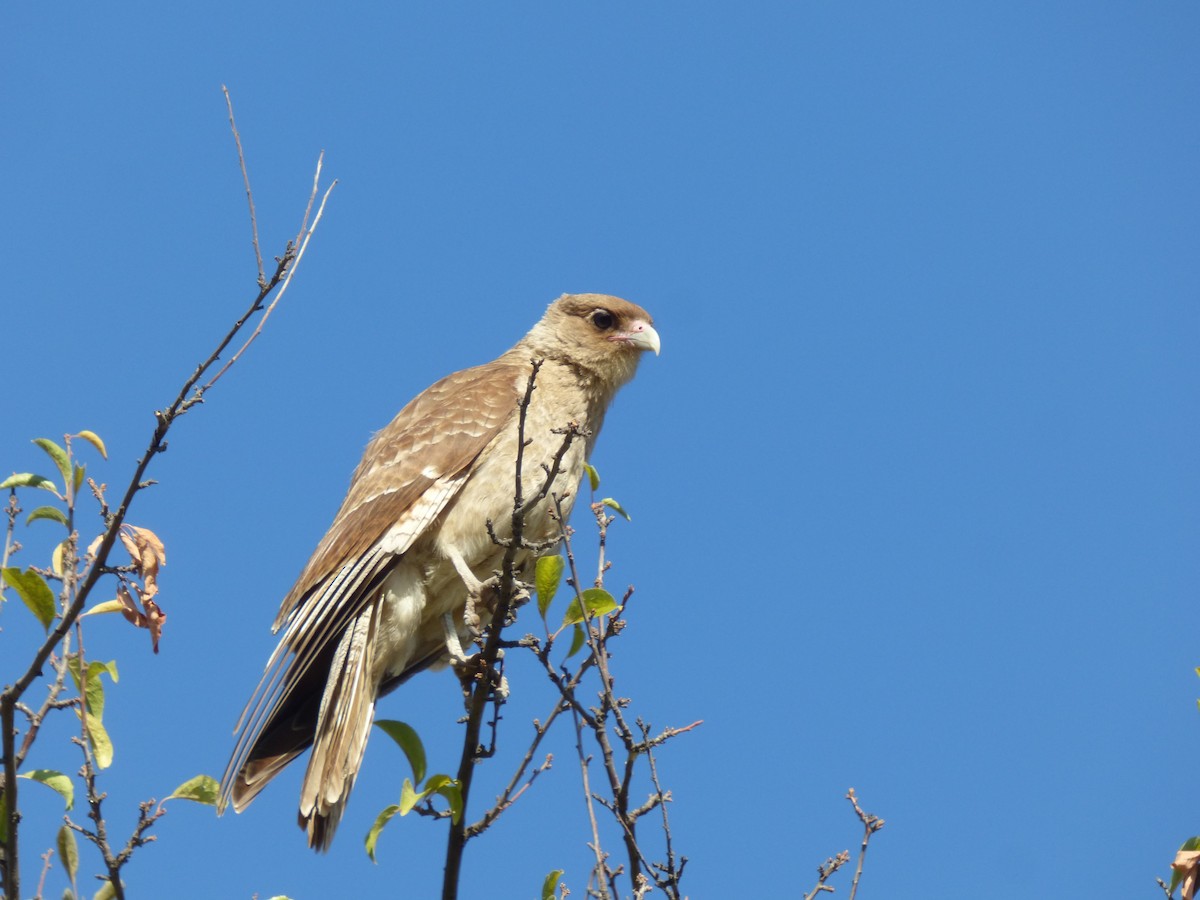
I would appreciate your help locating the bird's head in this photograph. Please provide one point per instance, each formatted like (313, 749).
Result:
(601, 334)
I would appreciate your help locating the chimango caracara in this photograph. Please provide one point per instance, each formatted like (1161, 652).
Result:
(384, 594)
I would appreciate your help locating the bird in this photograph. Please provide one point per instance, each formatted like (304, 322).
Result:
(390, 589)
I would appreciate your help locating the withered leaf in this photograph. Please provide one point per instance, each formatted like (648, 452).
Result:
(152, 619)
(148, 554)
(1186, 864)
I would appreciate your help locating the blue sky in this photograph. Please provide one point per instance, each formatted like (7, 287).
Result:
(913, 482)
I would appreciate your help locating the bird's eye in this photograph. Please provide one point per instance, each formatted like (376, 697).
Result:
(603, 319)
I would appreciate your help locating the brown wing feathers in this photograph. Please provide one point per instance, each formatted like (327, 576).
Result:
(441, 431)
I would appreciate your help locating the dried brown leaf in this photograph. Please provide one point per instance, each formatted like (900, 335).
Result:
(152, 619)
(148, 554)
(129, 608)
(130, 543)
(1187, 862)
(155, 619)
(147, 539)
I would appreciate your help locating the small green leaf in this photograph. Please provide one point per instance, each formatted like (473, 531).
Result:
(56, 781)
(596, 601)
(80, 471)
(409, 797)
(550, 885)
(593, 475)
(59, 455)
(33, 591)
(106, 892)
(47, 512)
(94, 439)
(95, 685)
(102, 748)
(28, 479)
(68, 851)
(410, 742)
(373, 835)
(546, 576)
(452, 791)
(613, 504)
(201, 789)
(577, 641)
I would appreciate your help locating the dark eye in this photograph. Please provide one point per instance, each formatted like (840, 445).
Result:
(603, 319)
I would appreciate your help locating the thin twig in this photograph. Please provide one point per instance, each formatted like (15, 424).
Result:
(237, 139)
(830, 866)
(287, 279)
(871, 824)
(46, 857)
(603, 875)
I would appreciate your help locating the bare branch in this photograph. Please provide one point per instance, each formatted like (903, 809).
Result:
(237, 139)
(871, 824)
(301, 246)
(830, 866)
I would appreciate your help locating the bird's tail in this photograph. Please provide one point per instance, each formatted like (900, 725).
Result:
(343, 726)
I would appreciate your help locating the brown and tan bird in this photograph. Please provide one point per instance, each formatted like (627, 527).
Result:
(384, 593)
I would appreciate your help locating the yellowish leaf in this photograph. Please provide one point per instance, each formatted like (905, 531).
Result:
(94, 439)
(108, 606)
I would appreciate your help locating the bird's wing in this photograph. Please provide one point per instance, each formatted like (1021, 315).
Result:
(410, 471)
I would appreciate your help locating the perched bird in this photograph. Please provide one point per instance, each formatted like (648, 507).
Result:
(384, 593)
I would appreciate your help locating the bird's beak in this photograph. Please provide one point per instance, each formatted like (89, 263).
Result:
(640, 335)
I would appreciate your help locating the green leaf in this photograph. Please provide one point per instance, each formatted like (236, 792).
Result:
(550, 885)
(452, 791)
(596, 601)
(102, 748)
(578, 639)
(1192, 843)
(59, 455)
(373, 835)
(94, 439)
(106, 892)
(56, 781)
(546, 577)
(613, 504)
(95, 685)
(410, 742)
(68, 851)
(28, 479)
(80, 471)
(593, 475)
(47, 512)
(201, 789)
(409, 797)
(33, 591)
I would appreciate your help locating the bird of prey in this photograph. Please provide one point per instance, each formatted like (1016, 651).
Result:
(385, 591)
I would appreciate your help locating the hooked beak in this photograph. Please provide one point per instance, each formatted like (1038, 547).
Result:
(641, 335)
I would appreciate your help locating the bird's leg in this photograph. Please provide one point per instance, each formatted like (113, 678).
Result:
(453, 645)
(475, 589)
